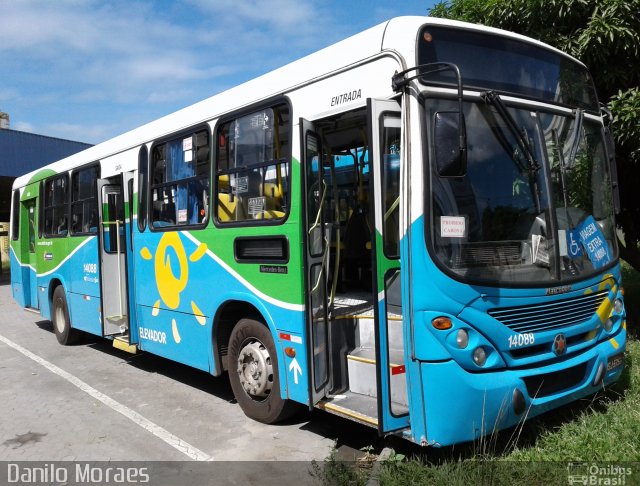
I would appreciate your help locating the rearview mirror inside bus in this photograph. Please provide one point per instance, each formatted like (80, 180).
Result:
(450, 144)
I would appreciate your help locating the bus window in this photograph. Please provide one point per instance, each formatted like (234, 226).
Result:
(84, 201)
(253, 168)
(391, 183)
(15, 216)
(55, 206)
(31, 216)
(143, 170)
(180, 181)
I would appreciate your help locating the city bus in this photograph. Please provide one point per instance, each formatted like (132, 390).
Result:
(412, 229)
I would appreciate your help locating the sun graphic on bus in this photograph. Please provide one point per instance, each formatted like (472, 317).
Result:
(169, 285)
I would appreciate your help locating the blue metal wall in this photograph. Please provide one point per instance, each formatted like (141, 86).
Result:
(22, 152)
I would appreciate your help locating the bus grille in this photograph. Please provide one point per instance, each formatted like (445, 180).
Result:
(542, 317)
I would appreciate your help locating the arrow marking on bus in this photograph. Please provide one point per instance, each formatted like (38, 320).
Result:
(296, 370)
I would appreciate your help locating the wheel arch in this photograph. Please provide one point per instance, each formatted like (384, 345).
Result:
(228, 314)
(54, 282)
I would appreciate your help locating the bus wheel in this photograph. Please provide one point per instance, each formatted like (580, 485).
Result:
(61, 322)
(253, 373)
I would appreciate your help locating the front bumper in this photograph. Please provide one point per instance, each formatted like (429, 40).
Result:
(462, 406)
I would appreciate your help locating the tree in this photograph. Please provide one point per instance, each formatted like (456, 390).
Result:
(605, 35)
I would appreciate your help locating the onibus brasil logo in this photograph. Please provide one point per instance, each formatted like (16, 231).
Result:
(597, 474)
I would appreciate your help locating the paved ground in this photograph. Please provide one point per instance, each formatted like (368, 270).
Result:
(91, 402)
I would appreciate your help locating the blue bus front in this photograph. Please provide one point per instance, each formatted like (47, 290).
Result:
(516, 301)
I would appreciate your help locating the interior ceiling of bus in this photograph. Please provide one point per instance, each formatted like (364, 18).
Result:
(344, 131)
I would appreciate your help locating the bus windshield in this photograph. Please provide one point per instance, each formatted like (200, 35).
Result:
(489, 61)
(506, 221)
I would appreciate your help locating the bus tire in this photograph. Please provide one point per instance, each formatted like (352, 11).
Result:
(253, 373)
(65, 334)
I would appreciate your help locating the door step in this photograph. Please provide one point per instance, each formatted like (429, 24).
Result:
(32, 309)
(122, 343)
(354, 406)
(361, 364)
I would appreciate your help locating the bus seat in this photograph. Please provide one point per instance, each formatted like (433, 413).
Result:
(223, 183)
(270, 214)
(228, 207)
(272, 190)
(273, 197)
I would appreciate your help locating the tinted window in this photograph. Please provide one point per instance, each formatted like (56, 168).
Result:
(180, 181)
(56, 197)
(84, 201)
(391, 184)
(253, 166)
(143, 180)
(489, 61)
(15, 215)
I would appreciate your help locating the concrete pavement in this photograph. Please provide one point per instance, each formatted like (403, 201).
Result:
(91, 402)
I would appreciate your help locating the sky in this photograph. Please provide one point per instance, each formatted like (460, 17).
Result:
(88, 70)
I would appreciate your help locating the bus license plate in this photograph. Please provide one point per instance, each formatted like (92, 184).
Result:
(615, 361)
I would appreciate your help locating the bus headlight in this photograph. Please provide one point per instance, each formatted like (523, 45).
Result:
(479, 356)
(617, 306)
(608, 325)
(462, 338)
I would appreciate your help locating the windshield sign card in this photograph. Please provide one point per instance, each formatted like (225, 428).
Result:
(452, 226)
(594, 243)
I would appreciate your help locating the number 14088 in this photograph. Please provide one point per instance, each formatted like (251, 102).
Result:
(517, 340)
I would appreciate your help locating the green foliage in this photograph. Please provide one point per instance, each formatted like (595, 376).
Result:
(467, 10)
(334, 471)
(625, 106)
(631, 285)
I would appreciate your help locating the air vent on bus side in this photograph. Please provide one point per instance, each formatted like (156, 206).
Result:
(263, 249)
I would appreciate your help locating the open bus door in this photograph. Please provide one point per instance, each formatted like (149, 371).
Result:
(317, 254)
(385, 136)
(354, 310)
(113, 257)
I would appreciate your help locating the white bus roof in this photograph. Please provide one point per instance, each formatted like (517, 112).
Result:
(398, 34)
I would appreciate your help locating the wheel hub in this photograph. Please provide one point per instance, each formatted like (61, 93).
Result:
(255, 369)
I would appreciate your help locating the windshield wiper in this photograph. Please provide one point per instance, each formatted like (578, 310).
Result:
(493, 99)
(563, 169)
(576, 139)
(561, 162)
(573, 152)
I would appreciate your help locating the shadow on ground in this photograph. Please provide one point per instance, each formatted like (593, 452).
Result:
(349, 437)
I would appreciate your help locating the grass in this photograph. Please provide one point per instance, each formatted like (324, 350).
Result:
(604, 429)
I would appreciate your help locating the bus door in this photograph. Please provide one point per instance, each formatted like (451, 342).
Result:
(127, 184)
(317, 249)
(113, 257)
(386, 136)
(30, 284)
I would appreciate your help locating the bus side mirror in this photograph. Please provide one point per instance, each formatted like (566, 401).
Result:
(450, 142)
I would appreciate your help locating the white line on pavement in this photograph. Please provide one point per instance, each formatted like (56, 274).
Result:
(163, 434)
